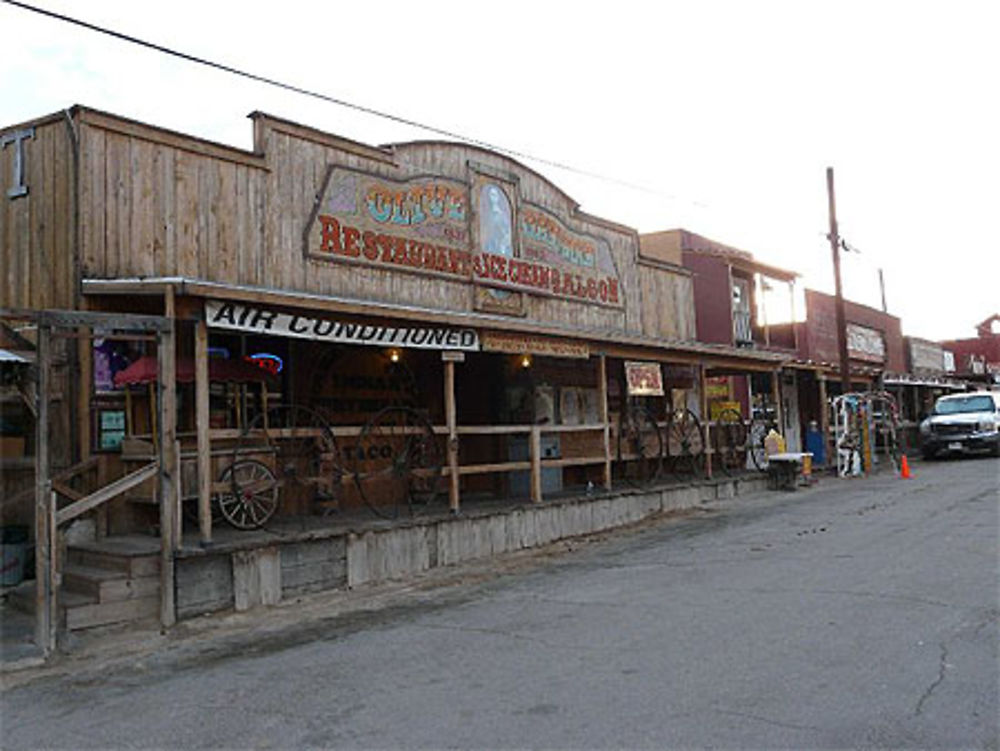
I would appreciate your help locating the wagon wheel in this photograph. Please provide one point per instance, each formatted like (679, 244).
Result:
(297, 446)
(640, 447)
(253, 495)
(756, 434)
(685, 443)
(729, 439)
(397, 462)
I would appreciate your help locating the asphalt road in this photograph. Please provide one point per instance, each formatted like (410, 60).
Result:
(859, 613)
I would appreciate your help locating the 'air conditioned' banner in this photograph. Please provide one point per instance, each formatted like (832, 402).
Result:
(261, 319)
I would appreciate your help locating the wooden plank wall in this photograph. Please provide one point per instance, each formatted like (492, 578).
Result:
(36, 230)
(158, 204)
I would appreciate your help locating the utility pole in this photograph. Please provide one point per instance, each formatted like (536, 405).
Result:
(845, 373)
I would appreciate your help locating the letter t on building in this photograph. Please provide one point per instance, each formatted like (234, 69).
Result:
(17, 137)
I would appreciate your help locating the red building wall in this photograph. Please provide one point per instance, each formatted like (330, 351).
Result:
(712, 298)
(818, 338)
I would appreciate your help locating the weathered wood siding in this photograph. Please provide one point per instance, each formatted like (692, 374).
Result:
(36, 229)
(155, 204)
(160, 204)
(667, 300)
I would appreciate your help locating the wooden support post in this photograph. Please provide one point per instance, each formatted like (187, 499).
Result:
(536, 464)
(178, 536)
(776, 398)
(129, 421)
(202, 427)
(54, 579)
(102, 512)
(703, 387)
(85, 356)
(450, 417)
(602, 400)
(167, 387)
(153, 392)
(824, 417)
(44, 617)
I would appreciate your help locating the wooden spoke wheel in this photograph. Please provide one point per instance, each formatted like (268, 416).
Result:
(252, 497)
(297, 446)
(685, 443)
(756, 434)
(397, 463)
(729, 440)
(640, 447)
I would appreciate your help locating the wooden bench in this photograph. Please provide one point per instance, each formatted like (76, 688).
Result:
(785, 469)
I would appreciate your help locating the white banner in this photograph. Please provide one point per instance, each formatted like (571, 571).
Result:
(259, 319)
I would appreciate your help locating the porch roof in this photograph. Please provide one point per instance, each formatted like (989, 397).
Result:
(611, 342)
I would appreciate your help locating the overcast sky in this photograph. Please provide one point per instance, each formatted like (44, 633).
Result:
(727, 113)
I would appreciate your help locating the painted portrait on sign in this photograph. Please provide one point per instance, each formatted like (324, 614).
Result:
(495, 221)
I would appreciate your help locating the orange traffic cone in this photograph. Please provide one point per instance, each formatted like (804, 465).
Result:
(904, 468)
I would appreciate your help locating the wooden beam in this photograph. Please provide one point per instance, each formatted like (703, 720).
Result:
(450, 415)
(65, 490)
(536, 465)
(202, 425)
(703, 387)
(824, 418)
(43, 530)
(602, 400)
(115, 489)
(776, 398)
(167, 408)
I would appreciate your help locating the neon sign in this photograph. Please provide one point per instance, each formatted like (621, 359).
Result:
(266, 361)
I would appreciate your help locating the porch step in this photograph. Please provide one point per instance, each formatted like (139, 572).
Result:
(112, 581)
(133, 555)
(108, 585)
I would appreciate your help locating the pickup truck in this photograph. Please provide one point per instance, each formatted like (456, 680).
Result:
(962, 424)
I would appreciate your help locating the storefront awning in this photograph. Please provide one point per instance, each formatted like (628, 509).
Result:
(144, 370)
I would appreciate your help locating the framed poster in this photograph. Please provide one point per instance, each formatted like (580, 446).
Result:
(643, 378)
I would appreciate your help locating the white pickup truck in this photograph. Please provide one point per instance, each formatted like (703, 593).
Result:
(962, 423)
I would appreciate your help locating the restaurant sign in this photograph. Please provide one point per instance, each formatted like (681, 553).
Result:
(261, 319)
(435, 225)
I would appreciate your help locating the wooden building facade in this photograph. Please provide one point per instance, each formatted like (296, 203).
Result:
(435, 277)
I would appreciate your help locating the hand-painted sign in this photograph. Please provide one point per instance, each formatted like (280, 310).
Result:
(259, 319)
(643, 378)
(422, 225)
(521, 344)
(864, 343)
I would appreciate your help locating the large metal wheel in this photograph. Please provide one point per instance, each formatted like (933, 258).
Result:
(397, 463)
(729, 440)
(252, 497)
(685, 444)
(640, 447)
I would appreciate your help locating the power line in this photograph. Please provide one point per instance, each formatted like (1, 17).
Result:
(336, 100)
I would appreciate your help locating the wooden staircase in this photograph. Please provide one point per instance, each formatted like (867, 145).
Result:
(113, 581)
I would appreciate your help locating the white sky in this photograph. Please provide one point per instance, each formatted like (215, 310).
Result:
(729, 112)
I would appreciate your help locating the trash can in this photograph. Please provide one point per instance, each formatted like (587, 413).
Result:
(13, 551)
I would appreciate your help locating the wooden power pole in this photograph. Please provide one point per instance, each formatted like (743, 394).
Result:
(845, 373)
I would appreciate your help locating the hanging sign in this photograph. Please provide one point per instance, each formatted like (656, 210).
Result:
(643, 378)
(261, 319)
(522, 344)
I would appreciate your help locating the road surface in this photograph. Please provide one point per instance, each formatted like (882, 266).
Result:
(858, 613)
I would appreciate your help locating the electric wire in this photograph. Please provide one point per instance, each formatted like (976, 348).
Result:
(399, 119)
